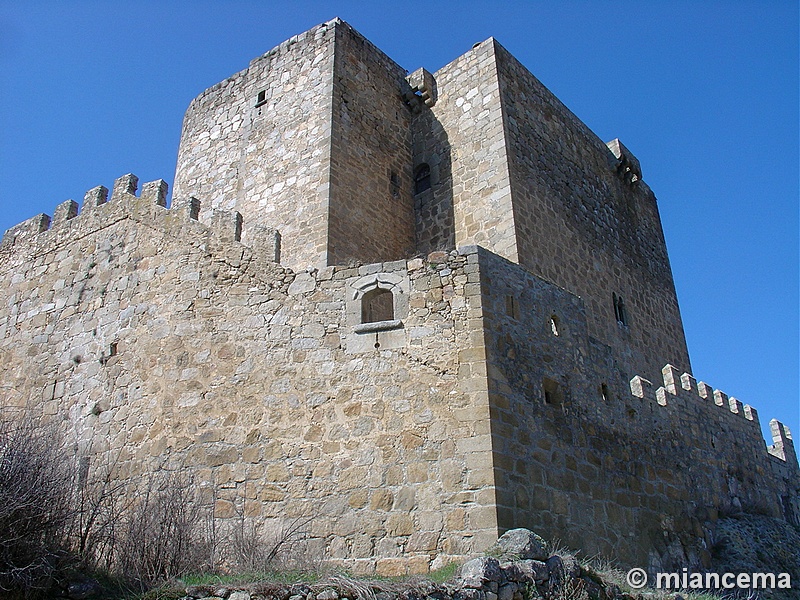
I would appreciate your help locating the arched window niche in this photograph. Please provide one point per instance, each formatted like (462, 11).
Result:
(378, 303)
(422, 178)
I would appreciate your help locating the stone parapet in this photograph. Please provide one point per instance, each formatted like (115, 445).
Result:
(39, 233)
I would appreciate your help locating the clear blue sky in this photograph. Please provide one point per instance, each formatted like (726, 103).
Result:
(705, 94)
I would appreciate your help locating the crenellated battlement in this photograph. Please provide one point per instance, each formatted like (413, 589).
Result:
(683, 387)
(149, 208)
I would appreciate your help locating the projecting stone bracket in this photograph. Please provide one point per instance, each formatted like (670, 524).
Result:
(628, 166)
(423, 90)
(378, 326)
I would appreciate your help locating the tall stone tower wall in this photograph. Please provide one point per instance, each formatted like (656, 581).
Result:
(259, 143)
(587, 223)
(461, 137)
(371, 214)
(312, 139)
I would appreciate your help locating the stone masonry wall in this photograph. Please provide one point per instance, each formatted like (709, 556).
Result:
(259, 143)
(164, 343)
(583, 224)
(463, 142)
(371, 206)
(633, 472)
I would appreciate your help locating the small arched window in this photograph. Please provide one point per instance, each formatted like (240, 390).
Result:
(554, 326)
(422, 178)
(605, 393)
(620, 313)
(377, 305)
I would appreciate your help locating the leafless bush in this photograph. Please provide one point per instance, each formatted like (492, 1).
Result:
(161, 536)
(284, 546)
(35, 495)
(57, 509)
(100, 504)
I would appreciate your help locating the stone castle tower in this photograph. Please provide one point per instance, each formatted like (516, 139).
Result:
(423, 308)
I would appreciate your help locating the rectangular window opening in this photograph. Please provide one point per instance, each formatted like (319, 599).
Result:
(512, 307)
(553, 392)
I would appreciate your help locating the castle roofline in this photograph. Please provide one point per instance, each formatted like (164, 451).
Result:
(330, 24)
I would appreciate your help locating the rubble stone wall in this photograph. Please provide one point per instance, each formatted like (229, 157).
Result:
(612, 467)
(164, 343)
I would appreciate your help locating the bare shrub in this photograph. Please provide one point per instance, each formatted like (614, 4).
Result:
(282, 547)
(35, 496)
(56, 512)
(100, 503)
(161, 536)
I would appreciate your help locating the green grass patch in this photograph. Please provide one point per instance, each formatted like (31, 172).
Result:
(444, 574)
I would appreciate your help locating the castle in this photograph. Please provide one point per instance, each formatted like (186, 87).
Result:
(423, 309)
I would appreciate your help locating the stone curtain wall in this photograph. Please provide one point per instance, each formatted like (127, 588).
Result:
(268, 159)
(582, 224)
(168, 344)
(162, 342)
(614, 469)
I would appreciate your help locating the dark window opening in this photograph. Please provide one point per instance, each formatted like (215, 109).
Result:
(620, 312)
(422, 178)
(395, 183)
(605, 393)
(554, 326)
(377, 305)
(512, 307)
(788, 510)
(83, 470)
(553, 394)
(261, 98)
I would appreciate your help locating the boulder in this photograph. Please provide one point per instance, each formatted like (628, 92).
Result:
(534, 570)
(478, 571)
(83, 589)
(521, 544)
